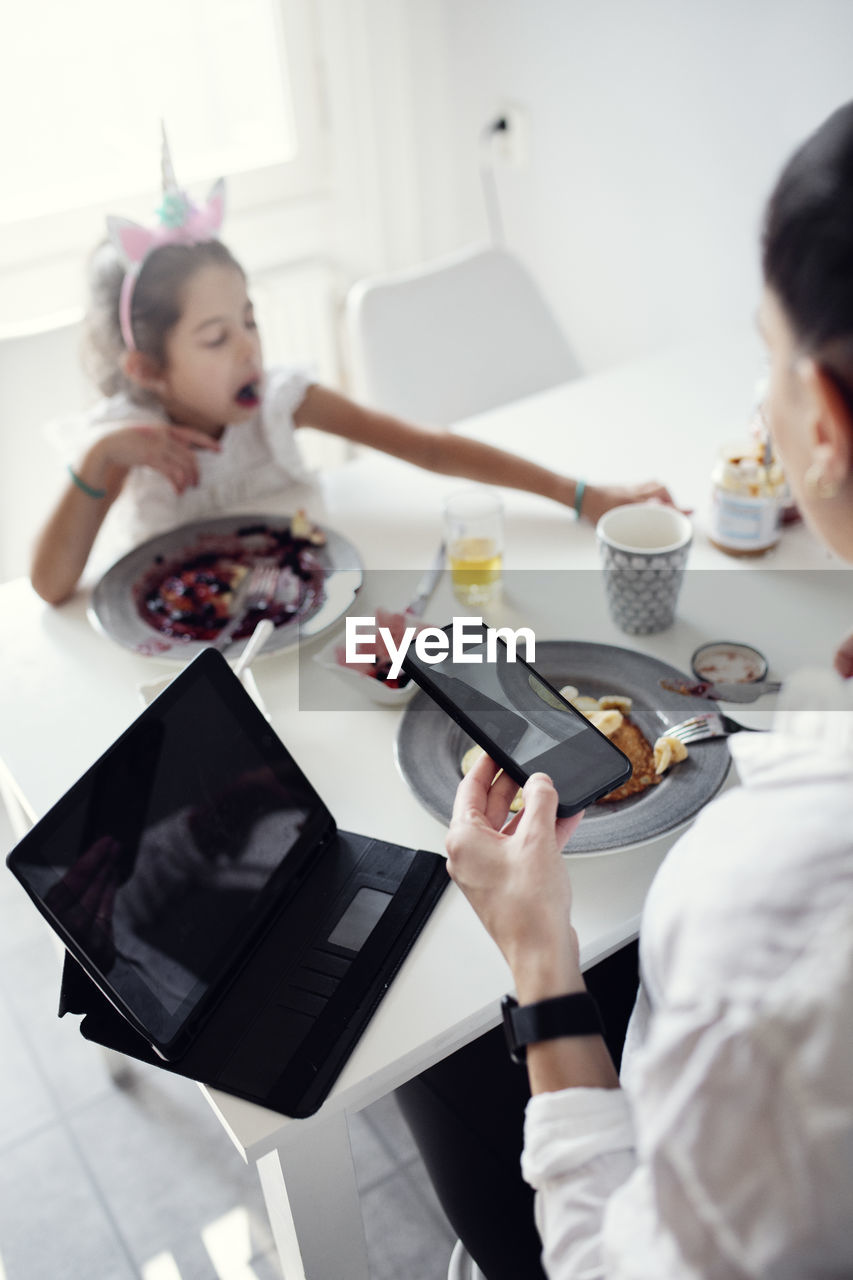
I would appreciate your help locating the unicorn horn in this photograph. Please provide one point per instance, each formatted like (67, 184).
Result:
(167, 169)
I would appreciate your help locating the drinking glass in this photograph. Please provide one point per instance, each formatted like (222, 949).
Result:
(473, 524)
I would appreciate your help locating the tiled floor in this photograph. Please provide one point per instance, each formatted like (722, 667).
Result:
(100, 1182)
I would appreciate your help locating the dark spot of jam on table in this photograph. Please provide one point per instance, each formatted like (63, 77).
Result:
(699, 690)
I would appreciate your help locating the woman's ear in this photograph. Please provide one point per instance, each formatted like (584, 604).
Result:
(831, 428)
(143, 370)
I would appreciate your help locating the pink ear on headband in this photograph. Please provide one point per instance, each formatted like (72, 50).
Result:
(181, 222)
(212, 215)
(132, 241)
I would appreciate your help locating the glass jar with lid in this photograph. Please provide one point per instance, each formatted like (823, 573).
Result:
(748, 494)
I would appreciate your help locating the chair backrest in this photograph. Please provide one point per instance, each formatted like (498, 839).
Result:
(454, 338)
(40, 379)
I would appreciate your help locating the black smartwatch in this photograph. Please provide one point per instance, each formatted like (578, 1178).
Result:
(570, 1015)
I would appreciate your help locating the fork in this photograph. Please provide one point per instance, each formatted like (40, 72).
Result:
(710, 724)
(254, 592)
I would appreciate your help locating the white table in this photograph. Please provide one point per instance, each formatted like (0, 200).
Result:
(67, 692)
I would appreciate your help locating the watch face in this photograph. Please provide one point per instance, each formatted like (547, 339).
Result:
(518, 1052)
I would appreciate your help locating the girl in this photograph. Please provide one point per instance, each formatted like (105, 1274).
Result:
(191, 423)
(728, 1150)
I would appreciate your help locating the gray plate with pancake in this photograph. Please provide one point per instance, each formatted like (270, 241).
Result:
(430, 745)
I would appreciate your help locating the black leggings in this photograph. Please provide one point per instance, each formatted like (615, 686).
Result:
(467, 1117)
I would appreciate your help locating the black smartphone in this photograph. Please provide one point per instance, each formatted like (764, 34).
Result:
(517, 717)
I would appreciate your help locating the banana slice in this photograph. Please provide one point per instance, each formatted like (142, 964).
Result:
(302, 527)
(616, 702)
(466, 764)
(607, 722)
(569, 692)
(586, 706)
(663, 754)
(470, 758)
(679, 750)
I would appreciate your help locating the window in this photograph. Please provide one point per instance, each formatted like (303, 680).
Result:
(210, 70)
(89, 82)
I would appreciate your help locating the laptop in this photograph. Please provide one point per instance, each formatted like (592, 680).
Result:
(216, 920)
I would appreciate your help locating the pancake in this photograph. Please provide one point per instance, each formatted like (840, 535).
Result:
(627, 736)
(630, 739)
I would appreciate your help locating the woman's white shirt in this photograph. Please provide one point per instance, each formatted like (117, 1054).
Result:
(257, 457)
(729, 1150)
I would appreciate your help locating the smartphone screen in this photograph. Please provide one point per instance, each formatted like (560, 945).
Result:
(519, 719)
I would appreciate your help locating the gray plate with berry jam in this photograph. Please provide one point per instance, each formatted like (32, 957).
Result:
(430, 746)
(169, 598)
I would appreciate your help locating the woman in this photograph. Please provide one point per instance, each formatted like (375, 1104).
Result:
(727, 1150)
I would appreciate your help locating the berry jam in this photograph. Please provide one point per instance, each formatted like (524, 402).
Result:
(188, 596)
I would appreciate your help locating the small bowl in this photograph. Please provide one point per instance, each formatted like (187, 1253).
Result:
(736, 663)
(376, 690)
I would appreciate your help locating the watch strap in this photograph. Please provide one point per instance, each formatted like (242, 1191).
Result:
(575, 1014)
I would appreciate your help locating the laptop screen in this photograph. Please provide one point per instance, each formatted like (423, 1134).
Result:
(167, 854)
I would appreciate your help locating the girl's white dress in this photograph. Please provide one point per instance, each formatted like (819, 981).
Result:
(258, 457)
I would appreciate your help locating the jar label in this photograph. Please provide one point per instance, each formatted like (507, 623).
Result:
(744, 523)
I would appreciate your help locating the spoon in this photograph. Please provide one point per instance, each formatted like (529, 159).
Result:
(255, 643)
(251, 649)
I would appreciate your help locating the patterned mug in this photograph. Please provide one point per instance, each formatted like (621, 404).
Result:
(643, 548)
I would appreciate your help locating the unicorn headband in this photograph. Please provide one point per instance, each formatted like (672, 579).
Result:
(181, 222)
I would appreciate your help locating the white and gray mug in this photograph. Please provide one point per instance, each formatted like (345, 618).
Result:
(643, 548)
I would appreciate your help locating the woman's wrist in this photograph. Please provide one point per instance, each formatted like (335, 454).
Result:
(541, 977)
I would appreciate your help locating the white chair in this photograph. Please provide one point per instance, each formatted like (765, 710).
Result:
(454, 338)
(40, 379)
(462, 1265)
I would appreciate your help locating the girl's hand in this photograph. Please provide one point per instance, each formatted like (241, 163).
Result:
(600, 498)
(514, 876)
(62, 548)
(844, 657)
(169, 449)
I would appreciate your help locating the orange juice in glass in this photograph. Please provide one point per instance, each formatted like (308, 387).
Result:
(473, 521)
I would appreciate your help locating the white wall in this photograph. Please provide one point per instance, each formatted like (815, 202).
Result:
(656, 129)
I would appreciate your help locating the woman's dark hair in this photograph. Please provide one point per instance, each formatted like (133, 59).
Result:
(808, 244)
(155, 307)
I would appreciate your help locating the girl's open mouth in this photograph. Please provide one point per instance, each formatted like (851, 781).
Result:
(249, 395)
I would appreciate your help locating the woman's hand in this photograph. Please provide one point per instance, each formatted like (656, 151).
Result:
(600, 498)
(514, 876)
(169, 449)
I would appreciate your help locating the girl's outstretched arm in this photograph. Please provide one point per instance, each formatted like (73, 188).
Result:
(63, 546)
(456, 455)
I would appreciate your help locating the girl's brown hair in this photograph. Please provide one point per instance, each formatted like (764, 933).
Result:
(155, 308)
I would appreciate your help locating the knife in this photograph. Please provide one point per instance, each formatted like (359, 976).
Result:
(426, 585)
(744, 691)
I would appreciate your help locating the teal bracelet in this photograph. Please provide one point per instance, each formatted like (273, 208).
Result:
(88, 489)
(580, 490)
